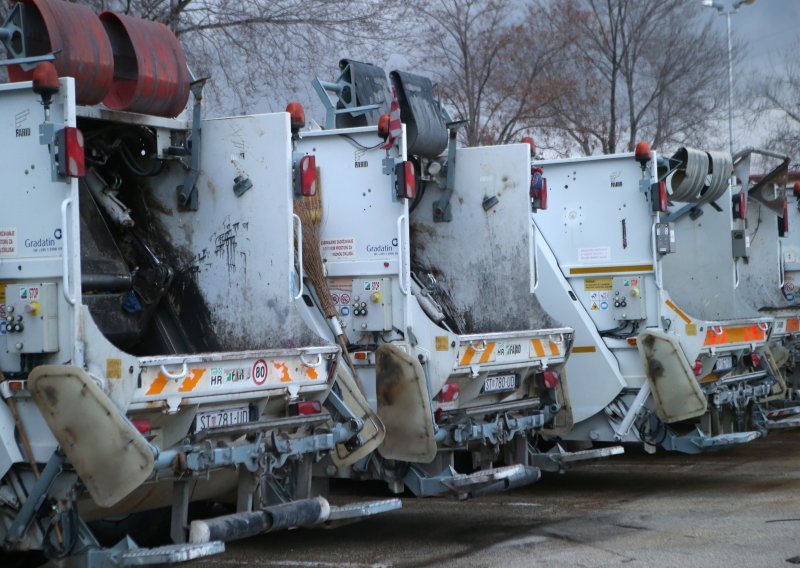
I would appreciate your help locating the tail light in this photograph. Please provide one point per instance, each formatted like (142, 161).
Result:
(143, 425)
(550, 379)
(306, 176)
(659, 197)
(642, 153)
(70, 152)
(297, 115)
(697, 369)
(783, 222)
(406, 183)
(305, 408)
(740, 206)
(538, 189)
(449, 393)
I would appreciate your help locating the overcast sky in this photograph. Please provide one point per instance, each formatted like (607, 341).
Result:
(770, 28)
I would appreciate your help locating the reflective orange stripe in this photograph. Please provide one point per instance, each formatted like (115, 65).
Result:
(157, 385)
(793, 324)
(675, 309)
(554, 349)
(537, 347)
(465, 360)
(745, 334)
(190, 382)
(487, 353)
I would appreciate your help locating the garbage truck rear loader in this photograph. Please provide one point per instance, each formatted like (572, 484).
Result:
(153, 351)
(428, 265)
(739, 238)
(645, 368)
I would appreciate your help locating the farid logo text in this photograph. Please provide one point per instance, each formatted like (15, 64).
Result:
(19, 123)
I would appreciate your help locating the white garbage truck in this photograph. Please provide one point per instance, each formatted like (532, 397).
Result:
(427, 254)
(157, 346)
(660, 356)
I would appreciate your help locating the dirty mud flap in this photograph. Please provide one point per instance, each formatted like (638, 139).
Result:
(404, 407)
(110, 456)
(558, 459)
(371, 435)
(488, 481)
(675, 389)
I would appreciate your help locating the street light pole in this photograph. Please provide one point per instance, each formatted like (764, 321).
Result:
(728, 10)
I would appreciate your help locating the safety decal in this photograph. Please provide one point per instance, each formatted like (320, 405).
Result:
(8, 241)
(597, 285)
(337, 249)
(260, 372)
(113, 368)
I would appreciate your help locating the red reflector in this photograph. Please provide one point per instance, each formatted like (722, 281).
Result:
(698, 367)
(740, 205)
(406, 181)
(307, 407)
(663, 202)
(360, 355)
(16, 386)
(308, 176)
(538, 189)
(550, 379)
(642, 152)
(297, 115)
(143, 425)
(449, 392)
(383, 125)
(753, 360)
(70, 152)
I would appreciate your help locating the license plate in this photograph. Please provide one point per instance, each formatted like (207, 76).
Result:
(724, 363)
(507, 350)
(222, 417)
(500, 383)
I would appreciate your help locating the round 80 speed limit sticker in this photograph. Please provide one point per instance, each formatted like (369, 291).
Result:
(260, 372)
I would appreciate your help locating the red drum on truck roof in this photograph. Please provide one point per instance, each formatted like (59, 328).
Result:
(86, 54)
(150, 74)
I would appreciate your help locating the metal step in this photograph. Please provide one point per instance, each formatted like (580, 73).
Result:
(366, 509)
(723, 440)
(558, 459)
(785, 424)
(495, 480)
(169, 554)
(782, 412)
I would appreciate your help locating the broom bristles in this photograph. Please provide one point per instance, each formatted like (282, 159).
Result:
(309, 209)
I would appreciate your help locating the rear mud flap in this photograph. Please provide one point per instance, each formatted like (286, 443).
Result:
(672, 382)
(404, 407)
(110, 456)
(373, 432)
